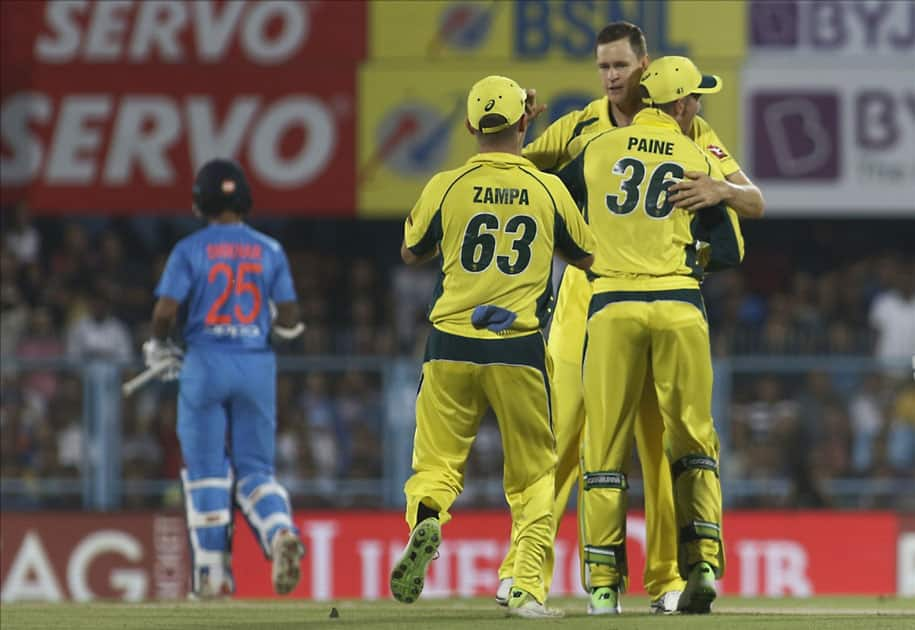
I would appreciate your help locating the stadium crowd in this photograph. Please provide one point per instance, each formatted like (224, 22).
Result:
(82, 289)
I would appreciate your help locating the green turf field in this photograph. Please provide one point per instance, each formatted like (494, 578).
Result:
(731, 613)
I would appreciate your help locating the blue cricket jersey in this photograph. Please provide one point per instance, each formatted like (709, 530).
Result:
(226, 274)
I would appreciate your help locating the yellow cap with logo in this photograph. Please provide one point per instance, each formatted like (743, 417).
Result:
(668, 79)
(495, 95)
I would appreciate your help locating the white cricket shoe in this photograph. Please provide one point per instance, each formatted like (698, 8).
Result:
(504, 591)
(212, 582)
(523, 604)
(666, 604)
(286, 551)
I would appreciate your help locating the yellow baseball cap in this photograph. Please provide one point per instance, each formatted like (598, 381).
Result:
(667, 79)
(495, 95)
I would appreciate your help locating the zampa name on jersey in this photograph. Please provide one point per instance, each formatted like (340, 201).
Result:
(485, 194)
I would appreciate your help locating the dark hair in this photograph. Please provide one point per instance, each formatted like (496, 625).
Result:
(494, 120)
(616, 31)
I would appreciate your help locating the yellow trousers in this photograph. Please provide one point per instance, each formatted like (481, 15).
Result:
(630, 341)
(461, 379)
(565, 347)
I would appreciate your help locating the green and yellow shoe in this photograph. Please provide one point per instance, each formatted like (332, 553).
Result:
(409, 574)
(605, 600)
(699, 593)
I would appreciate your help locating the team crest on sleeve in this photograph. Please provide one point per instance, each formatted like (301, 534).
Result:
(717, 151)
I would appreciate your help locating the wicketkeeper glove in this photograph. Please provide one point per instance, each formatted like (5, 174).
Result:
(158, 353)
(494, 318)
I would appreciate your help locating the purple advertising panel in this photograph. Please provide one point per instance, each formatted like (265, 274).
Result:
(881, 27)
(823, 139)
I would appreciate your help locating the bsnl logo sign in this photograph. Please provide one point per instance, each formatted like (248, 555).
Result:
(542, 26)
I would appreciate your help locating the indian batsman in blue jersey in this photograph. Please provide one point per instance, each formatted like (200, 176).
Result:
(225, 276)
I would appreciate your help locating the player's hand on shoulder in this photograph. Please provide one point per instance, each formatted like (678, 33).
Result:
(531, 107)
(157, 352)
(697, 190)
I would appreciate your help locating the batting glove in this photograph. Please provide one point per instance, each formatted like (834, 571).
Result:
(156, 352)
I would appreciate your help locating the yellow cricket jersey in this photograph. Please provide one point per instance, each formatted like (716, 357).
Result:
(620, 180)
(551, 151)
(497, 220)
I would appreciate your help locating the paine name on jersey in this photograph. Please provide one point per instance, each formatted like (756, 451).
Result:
(650, 145)
(486, 194)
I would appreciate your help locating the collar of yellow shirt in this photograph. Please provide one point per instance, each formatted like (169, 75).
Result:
(654, 117)
(497, 157)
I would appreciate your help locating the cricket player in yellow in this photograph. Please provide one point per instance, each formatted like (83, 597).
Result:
(646, 320)
(621, 57)
(496, 221)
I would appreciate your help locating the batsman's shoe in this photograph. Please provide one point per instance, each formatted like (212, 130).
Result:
(504, 591)
(699, 592)
(212, 583)
(665, 604)
(287, 552)
(605, 600)
(523, 604)
(409, 574)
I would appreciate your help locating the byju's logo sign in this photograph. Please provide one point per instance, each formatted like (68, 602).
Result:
(824, 137)
(827, 26)
(796, 135)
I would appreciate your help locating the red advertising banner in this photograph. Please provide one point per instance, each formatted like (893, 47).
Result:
(82, 557)
(768, 554)
(53, 557)
(112, 106)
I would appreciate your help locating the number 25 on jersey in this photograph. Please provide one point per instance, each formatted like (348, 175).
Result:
(239, 283)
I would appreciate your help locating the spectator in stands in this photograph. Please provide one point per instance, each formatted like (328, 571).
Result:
(291, 440)
(140, 450)
(14, 312)
(15, 441)
(41, 341)
(366, 452)
(867, 412)
(411, 289)
(323, 431)
(69, 269)
(892, 313)
(129, 288)
(901, 435)
(66, 418)
(99, 334)
(758, 423)
(20, 235)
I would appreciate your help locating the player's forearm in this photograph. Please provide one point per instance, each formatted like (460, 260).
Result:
(412, 259)
(163, 320)
(745, 198)
(287, 314)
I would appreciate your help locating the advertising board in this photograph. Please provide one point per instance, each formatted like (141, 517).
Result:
(111, 107)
